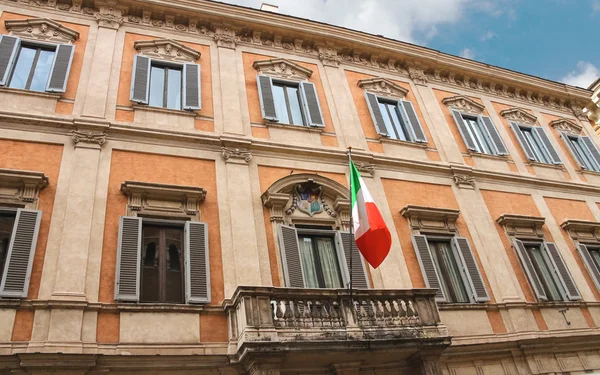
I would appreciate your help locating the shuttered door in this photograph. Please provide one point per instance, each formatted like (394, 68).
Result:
(376, 115)
(60, 68)
(191, 87)
(521, 138)
(140, 80)
(427, 266)
(9, 45)
(265, 93)
(592, 148)
(128, 259)
(462, 127)
(572, 149)
(413, 121)
(589, 264)
(19, 258)
(290, 256)
(534, 281)
(562, 271)
(494, 135)
(197, 270)
(359, 272)
(474, 277)
(541, 133)
(311, 104)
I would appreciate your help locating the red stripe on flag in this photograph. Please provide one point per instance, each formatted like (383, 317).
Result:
(375, 244)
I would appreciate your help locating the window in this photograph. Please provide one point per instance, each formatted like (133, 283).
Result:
(395, 119)
(479, 133)
(545, 272)
(590, 253)
(483, 143)
(165, 87)
(595, 255)
(287, 103)
(395, 126)
(450, 274)
(32, 68)
(535, 143)
(7, 221)
(584, 150)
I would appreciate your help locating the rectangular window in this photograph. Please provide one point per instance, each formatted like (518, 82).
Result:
(447, 264)
(32, 67)
(287, 103)
(536, 145)
(320, 264)
(480, 136)
(394, 123)
(545, 271)
(582, 153)
(7, 221)
(165, 86)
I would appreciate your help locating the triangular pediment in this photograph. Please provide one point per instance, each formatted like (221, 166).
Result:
(383, 87)
(566, 126)
(166, 49)
(41, 29)
(464, 104)
(282, 68)
(518, 115)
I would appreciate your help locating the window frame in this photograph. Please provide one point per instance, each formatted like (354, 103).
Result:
(296, 84)
(166, 66)
(550, 265)
(401, 116)
(577, 145)
(4, 210)
(323, 233)
(39, 46)
(479, 134)
(538, 148)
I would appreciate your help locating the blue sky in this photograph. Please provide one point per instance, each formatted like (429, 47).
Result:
(551, 39)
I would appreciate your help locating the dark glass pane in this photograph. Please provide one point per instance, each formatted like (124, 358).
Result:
(157, 86)
(6, 227)
(330, 268)
(174, 262)
(292, 93)
(42, 71)
(174, 89)
(544, 273)
(595, 253)
(280, 104)
(22, 68)
(450, 277)
(150, 261)
(389, 125)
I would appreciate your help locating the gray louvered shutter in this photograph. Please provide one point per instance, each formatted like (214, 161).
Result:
(191, 87)
(562, 271)
(19, 258)
(61, 66)
(359, 271)
(9, 46)
(140, 80)
(472, 271)
(376, 114)
(197, 269)
(591, 146)
(462, 127)
(430, 273)
(265, 94)
(413, 121)
(523, 142)
(494, 135)
(534, 280)
(290, 256)
(570, 146)
(312, 107)
(593, 269)
(541, 133)
(127, 279)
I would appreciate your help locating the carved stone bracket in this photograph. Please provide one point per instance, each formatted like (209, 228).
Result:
(464, 181)
(519, 115)
(417, 75)
(431, 219)
(225, 36)
(582, 230)
(522, 226)
(276, 202)
(235, 155)
(21, 188)
(42, 29)
(89, 138)
(110, 15)
(566, 126)
(383, 87)
(328, 54)
(464, 104)
(166, 49)
(282, 68)
(161, 199)
(366, 168)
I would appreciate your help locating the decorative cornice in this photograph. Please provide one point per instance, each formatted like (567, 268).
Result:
(383, 87)
(582, 230)
(566, 126)
(464, 104)
(522, 226)
(160, 198)
(519, 115)
(21, 187)
(109, 14)
(88, 137)
(282, 68)
(41, 29)
(225, 36)
(232, 155)
(166, 49)
(431, 219)
(417, 75)
(328, 54)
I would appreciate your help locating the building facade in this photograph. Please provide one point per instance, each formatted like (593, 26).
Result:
(173, 200)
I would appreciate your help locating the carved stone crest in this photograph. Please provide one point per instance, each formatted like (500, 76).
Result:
(566, 126)
(307, 198)
(41, 29)
(383, 87)
(464, 181)
(518, 115)
(167, 49)
(282, 68)
(464, 104)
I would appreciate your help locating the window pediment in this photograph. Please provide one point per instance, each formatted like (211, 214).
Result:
(383, 87)
(582, 230)
(282, 68)
(21, 188)
(566, 126)
(464, 104)
(431, 219)
(166, 49)
(42, 29)
(518, 115)
(522, 226)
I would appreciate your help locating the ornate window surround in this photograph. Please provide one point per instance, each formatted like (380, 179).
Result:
(282, 69)
(167, 49)
(21, 188)
(519, 115)
(566, 126)
(582, 230)
(41, 29)
(431, 220)
(464, 104)
(383, 87)
(522, 226)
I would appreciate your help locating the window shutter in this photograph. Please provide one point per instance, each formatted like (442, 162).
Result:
(311, 104)
(413, 121)
(140, 80)
(462, 127)
(534, 281)
(197, 269)
(9, 45)
(562, 271)
(191, 87)
(290, 257)
(19, 258)
(359, 271)
(61, 66)
(265, 94)
(494, 135)
(430, 273)
(541, 133)
(127, 283)
(524, 145)
(376, 114)
(569, 144)
(592, 148)
(589, 263)
(472, 271)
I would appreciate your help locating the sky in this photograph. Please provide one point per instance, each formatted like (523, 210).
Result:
(551, 39)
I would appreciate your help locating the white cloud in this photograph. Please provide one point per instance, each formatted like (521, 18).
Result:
(585, 74)
(467, 53)
(596, 6)
(487, 36)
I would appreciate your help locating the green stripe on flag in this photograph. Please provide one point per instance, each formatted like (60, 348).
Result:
(355, 179)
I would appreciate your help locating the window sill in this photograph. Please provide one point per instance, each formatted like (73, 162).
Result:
(383, 139)
(270, 124)
(178, 112)
(587, 171)
(47, 95)
(560, 167)
(487, 156)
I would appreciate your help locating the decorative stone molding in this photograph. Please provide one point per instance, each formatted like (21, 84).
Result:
(383, 87)
(518, 115)
(166, 49)
(431, 219)
(235, 155)
(161, 199)
(328, 54)
(42, 29)
(110, 15)
(582, 230)
(566, 126)
(225, 36)
(464, 181)
(282, 68)
(522, 226)
(276, 202)
(464, 104)
(366, 168)
(417, 75)
(88, 138)
(21, 188)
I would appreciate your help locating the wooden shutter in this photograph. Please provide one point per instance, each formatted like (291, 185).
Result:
(197, 269)
(534, 280)
(494, 135)
(570, 146)
(430, 273)
(19, 257)
(290, 256)
(472, 272)
(359, 271)
(140, 80)
(312, 108)
(61, 66)
(265, 93)
(413, 121)
(127, 283)
(523, 142)
(541, 133)
(191, 87)
(594, 153)
(9, 46)
(589, 264)
(462, 127)
(376, 114)
(562, 271)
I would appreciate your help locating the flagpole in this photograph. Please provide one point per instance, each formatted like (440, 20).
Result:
(351, 229)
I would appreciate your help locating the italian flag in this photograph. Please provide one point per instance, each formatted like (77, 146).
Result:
(370, 232)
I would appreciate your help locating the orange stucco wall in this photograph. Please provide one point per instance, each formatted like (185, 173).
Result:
(213, 328)
(108, 328)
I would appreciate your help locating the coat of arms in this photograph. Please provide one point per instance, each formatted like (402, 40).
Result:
(308, 198)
